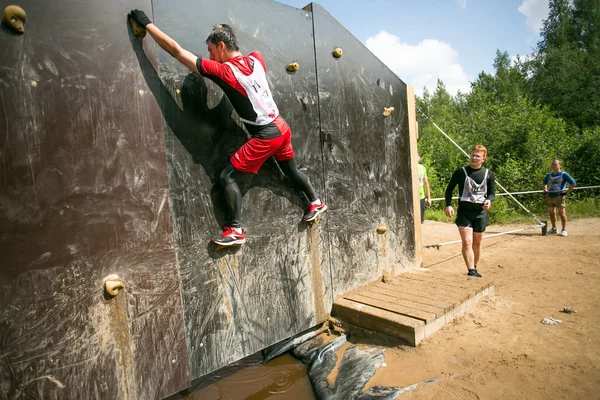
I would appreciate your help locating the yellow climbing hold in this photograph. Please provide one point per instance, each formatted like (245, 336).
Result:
(293, 67)
(381, 229)
(14, 18)
(113, 287)
(112, 284)
(337, 53)
(138, 31)
(387, 111)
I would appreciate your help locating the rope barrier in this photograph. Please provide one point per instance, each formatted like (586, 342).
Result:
(437, 246)
(530, 191)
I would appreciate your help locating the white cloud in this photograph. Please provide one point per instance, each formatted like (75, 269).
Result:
(535, 11)
(421, 65)
(462, 3)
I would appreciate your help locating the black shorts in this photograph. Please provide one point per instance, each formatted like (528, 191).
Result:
(423, 210)
(478, 220)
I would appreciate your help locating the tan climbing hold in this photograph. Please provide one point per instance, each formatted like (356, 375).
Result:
(138, 31)
(112, 284)
(293, 67)
(387, 111)
(337, 53)
(113, 287)
(14, 18)
(381, 229)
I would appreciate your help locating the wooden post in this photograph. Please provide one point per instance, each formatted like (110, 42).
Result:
(413, 135)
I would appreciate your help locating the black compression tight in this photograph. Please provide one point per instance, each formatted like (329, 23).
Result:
(290, 169)
(233, 197)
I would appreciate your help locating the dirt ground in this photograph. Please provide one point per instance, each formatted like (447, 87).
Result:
(501, 350)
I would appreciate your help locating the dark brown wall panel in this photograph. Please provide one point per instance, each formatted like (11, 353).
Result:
(366, 158)
(84, 194)
(240, 301)
(110, 153)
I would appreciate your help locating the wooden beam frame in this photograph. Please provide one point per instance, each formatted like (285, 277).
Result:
(413, 135)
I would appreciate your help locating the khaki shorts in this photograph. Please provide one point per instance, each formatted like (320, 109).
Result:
(558, 202)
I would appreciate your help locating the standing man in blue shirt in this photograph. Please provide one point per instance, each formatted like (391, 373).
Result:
(554, 186)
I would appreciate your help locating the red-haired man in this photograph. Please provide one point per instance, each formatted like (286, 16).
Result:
(477, 187)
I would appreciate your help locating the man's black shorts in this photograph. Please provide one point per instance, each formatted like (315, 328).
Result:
(478, 220)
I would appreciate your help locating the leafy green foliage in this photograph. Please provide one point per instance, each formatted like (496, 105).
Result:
(584, 161)
(564, 74)
(523, 134)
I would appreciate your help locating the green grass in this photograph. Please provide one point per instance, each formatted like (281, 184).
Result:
(584, 208)
(434, 214)
(506, 211)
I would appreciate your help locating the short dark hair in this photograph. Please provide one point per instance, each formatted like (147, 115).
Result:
(224, 33)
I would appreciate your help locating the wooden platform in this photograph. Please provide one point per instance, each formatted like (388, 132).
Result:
(413, 305)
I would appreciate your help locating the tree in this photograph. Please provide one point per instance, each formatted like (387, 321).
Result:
(565, 71)
(583, 163)
(521, 136)
(437, 152)
(543, 107)
(507, 83)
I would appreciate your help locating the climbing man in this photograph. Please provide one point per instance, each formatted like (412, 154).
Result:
(243, 80)
(423, 188)
(477, 188)
(554, 185)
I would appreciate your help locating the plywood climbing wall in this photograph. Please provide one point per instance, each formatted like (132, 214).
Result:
(110, 158)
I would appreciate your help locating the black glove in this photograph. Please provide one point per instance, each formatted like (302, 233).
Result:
(140, 17)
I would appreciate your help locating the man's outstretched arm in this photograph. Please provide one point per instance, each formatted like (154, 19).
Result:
(165, 42)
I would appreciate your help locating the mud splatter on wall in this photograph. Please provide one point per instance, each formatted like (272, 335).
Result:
(110, 153)
(84, 194)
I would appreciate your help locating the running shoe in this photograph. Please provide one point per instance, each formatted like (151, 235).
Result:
(563, 233)
(552, 231)
(314, 210)
(229, 237)
(473, 272)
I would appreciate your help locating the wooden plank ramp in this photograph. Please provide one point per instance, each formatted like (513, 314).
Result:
(413, 305)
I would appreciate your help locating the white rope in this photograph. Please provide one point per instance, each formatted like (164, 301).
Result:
(437, 246)
(530, 191)
(498, 183)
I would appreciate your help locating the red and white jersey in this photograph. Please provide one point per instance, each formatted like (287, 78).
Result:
(244, 81)
(258, 92)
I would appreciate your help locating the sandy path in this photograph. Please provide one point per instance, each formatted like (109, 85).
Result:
(501, 350)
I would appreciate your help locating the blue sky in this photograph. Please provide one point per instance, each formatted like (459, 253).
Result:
(454, 40)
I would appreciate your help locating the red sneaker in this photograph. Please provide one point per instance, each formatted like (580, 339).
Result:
(229, 237)
(314, 210)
